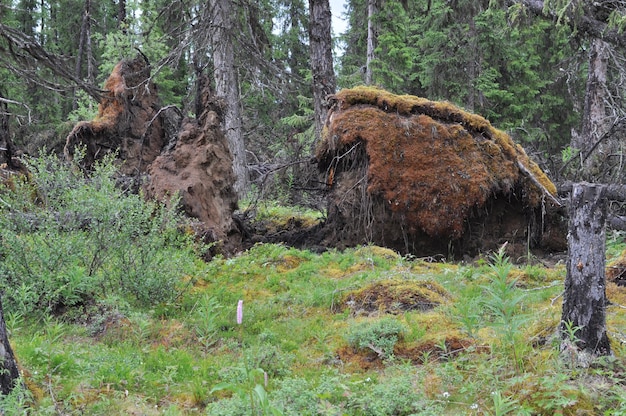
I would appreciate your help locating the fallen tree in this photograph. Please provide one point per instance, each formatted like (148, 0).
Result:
(128, 120)
(163, 152)
(426, 177)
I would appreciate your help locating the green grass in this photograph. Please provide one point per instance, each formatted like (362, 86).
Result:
(128, 320)
(153, 361)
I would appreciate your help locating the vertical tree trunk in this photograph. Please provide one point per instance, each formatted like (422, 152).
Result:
(227, 86)
(9, 373)
(320, 41)
(90, 58)
(7, 148)
(121, 15)
(372, 9)
(594, 122)
(84, 47)
(42, 24)
(584, 300)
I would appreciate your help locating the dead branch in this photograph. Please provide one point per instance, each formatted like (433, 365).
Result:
(538, 184)
(29, 53)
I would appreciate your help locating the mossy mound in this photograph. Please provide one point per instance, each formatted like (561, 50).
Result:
(417, 353)
(402, 169)
(395, 296)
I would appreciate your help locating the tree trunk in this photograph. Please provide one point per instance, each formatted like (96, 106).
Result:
(320, 40)
(9, 373)
(227, 86)
(372, 9)
(84, 48)
(583, 323)
(88, 49)
(7, 148)
(121, 15)
(594, 123)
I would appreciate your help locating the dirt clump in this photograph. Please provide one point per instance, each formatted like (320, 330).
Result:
(394, 297)
(417, 353)
(163, 153)
(198, 169)
(128, 120)
(426, 177)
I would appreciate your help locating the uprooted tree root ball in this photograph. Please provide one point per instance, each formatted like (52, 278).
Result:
(425, 177)
(168, 154)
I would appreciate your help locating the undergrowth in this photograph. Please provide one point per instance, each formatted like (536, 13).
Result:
(131, 321)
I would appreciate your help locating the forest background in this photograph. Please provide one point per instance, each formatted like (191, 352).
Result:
(549, 73)
(104, 322)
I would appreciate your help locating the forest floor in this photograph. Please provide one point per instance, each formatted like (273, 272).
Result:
(356, 331)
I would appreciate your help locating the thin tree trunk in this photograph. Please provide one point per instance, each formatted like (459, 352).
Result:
(9, 374)
(42, 26)
(121, 15)
(82, 37)
(583, 323)
(472, 66)
(227, 87)
(372, 9)
(5, 137)
(320, 40)
(594, 123)
(90, 58)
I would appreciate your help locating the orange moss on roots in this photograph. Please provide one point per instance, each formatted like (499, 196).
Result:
(429, 161)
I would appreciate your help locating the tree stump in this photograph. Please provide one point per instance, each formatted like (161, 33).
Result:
(583, 323)
(9, 373)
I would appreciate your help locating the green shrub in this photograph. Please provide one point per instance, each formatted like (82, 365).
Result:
(380, 336)
(67, 239)
(397, 396)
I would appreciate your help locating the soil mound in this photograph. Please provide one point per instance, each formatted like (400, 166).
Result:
(128, 120)
(170, 156)
(199, 170)
(426, 177)
(394, 296)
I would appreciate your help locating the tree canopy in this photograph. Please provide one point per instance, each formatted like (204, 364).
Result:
(521, 64)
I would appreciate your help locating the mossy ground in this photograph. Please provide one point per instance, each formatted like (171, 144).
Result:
(299, 309)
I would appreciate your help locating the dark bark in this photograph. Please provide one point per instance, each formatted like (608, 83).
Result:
(616, 222)
(614, 192)
(324, 82)
(121, 15)
(584, 300)
(8, 151)
(9, 373)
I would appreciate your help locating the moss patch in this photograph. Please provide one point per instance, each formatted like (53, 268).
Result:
(395, 296)
(430, 165)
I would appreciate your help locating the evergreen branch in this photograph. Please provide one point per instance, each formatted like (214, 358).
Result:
(591, 22)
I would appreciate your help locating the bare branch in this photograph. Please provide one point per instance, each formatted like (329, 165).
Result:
(7, 101)
(26, 50)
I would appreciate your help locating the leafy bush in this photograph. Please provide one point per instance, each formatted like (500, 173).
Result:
(67, 238)
(379, 336)
(397, 396)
